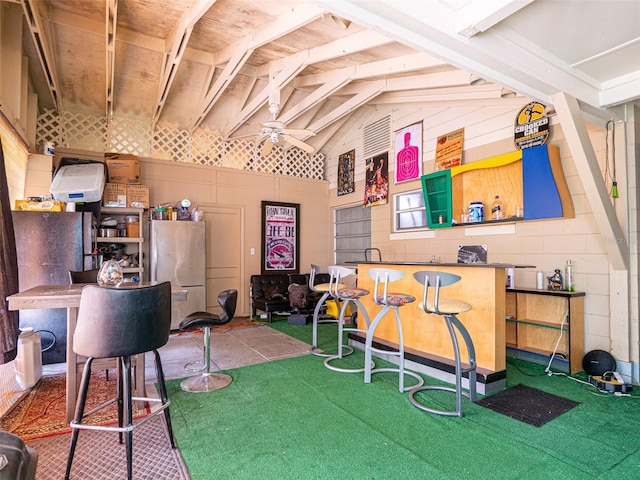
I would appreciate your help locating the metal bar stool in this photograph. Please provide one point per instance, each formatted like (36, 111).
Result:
(121, 322)
(209, 381)
(346, 295)
(325, 290)
(448, 309)
(388, 301)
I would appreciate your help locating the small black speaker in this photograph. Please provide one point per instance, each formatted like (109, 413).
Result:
(596, 362)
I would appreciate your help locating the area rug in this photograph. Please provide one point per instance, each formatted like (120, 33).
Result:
(529, 405)
(42, 412)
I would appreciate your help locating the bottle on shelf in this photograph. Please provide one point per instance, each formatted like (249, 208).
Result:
(568, 277)
(497, 209)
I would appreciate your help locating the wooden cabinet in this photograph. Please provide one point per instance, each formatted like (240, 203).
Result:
(133, 243)
(542, 323)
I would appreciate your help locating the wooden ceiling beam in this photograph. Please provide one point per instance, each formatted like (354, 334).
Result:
(34, 11)
(367, 93)
(110, 49)
(178, 41)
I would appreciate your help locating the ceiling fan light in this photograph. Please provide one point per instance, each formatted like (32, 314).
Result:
(273, 137)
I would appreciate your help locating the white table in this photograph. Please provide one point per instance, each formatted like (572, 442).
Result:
(68, 296)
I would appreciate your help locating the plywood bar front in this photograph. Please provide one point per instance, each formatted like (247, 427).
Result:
(481, 285)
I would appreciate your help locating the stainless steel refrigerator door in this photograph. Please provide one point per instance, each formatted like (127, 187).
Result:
(195, 303)
(178, 252)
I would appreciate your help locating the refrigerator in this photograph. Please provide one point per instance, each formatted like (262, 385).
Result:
(177, 254)
(48, 245)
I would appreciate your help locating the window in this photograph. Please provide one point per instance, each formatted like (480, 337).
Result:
(409, 211)
(352, 233)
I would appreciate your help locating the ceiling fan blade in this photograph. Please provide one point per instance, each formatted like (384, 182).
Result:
(294, 131)
(300, 144)
(266, 148)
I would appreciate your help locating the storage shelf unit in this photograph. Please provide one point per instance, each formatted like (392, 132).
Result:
(538, 320)
(133, 245)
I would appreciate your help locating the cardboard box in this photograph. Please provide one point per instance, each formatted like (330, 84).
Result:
(44, 206)
(123, 169)
(138, 196)
(115, 195)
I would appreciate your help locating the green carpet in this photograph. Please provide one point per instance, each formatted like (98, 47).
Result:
(295, 419)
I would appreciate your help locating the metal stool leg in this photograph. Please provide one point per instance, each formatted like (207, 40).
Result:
(453, 324)
(341, 330)
(369, 349)
(207, 382)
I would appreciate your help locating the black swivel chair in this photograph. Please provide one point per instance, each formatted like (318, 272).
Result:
(121, 322)
(84, 276)
(207, 381)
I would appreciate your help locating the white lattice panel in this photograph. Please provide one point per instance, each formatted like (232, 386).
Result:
(203, 147)
(127, 135)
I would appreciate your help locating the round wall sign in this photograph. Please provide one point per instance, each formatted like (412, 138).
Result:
(531, 126)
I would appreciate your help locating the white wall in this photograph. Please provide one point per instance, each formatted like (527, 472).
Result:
(543, 244)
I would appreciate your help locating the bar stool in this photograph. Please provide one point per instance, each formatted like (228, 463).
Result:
(121, 322)
(325, 290)
(448, 309)
(388, 301)
(346, 295)
(209, 381)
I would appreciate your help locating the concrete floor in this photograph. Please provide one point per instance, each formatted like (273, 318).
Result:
(239, 343)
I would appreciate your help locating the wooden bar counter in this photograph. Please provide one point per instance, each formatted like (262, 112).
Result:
(426, 337)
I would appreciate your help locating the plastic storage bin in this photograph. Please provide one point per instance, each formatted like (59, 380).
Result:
(79, 183)
(28, 362)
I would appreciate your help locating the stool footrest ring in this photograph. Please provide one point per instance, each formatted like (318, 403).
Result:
(318, 352)
(343, 370)
(417, 404)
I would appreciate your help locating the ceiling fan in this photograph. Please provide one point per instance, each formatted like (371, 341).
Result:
(275, 132)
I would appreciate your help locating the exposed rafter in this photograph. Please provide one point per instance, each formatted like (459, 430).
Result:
(111, 22)
(45, 52)
(178, 41)
(367, 92)
(240, 51)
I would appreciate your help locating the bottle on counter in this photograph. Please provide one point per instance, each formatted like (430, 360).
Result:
(497, 209)
(568, 277)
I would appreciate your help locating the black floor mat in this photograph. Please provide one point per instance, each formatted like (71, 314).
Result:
(529, 405)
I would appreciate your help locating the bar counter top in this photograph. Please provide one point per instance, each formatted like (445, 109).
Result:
(442, 264)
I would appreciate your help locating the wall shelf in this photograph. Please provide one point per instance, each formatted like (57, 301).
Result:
(532, 178)
(134, 245)
(537, 320)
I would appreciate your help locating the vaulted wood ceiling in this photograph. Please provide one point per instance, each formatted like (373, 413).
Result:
(219, 64)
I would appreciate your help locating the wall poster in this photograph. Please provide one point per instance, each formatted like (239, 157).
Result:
(376, 187)
(408, 148)
(346, 181)
(281, 239)
(449, 150)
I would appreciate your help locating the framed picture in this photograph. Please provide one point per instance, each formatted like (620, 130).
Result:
(280, 237)
(408, 149)
(376, 185)
(346, 182)
(472, 254)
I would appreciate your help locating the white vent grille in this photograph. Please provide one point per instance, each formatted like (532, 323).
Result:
(376, 137)
(203, 147)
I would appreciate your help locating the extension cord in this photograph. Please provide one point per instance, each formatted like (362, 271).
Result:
(613, 385)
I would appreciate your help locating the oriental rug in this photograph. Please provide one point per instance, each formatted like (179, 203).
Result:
(527, 404)
(42, 412)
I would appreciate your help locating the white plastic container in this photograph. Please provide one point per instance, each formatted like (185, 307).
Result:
(79, 183)
(28, 362)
